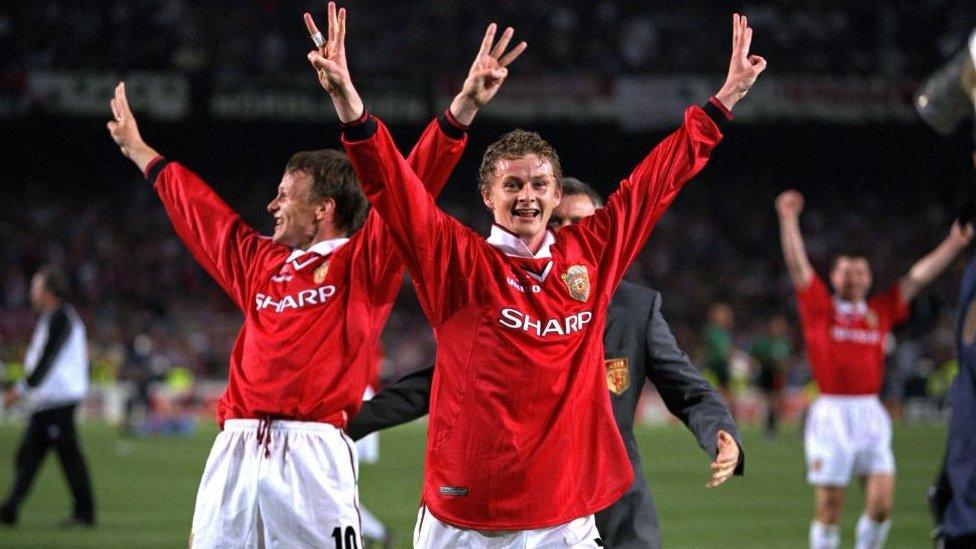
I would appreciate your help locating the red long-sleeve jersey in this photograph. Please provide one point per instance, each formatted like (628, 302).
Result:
(312, 320)
(846, 341)
(521, 432)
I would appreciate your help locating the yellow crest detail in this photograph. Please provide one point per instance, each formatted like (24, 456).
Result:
(618, 375)
(321, 271)
(578, 282)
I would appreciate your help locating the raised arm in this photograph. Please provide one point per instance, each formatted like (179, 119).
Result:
(789, 204)
(692, 399)
(125, 131)
(744, 67)
(617, 232)
(484, 79)
(422, 233)
(925, 270)
(433, 159)
(225, 246)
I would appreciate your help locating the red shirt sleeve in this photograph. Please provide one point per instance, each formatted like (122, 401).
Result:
(892, 305)
(426, 236)
(616, 233)
(226, 247)
(433, 159)
(813, 301)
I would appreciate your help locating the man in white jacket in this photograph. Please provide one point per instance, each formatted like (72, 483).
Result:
(57, 379)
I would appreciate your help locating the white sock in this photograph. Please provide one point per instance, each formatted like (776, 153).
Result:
(824, 536)
(870, 534)
(373, 529)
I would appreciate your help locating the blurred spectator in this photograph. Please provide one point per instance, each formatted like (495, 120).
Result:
(772, 351)
(719, 346)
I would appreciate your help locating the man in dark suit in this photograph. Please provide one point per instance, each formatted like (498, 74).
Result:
(638, 345)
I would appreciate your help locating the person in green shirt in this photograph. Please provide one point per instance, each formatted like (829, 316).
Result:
(772, 350)
(717, 338)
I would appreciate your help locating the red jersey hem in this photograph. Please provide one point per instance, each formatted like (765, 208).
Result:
(515, 526)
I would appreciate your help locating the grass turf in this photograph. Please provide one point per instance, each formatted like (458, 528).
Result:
(145, 489)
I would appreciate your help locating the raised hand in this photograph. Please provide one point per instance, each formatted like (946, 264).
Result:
(726, 461)
(789, 204)
(125, 132)
(487, 73)
(329, 61)
(744, 68)
(961, 235)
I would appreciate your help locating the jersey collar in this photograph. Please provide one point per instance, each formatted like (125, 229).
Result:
(850, 308)
(323, 248)
(512, 245)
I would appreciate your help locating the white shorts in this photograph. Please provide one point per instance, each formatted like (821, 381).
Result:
(847, 436)
(432, 533)
(295, 489)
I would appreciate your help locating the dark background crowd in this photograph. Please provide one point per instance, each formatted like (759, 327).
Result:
(265, 38)
(69, 197)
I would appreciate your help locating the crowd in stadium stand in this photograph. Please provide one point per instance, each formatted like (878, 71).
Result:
(607, 36)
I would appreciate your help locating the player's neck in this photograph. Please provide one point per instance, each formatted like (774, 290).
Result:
(534, 242)
(322, 236)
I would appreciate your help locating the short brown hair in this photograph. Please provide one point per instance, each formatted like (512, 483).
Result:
(55, 280)
(575, 187)
(516, 144)
(333, 177)
(849, 253)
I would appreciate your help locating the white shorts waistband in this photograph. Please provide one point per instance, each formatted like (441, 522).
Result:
(278, 425)
(849, 398)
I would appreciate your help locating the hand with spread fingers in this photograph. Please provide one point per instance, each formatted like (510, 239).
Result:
(487, 73)
(726, 461)
(744, 68)
(125, 132)
(329, 61)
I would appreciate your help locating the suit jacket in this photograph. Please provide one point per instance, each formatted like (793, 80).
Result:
(960, 467)
(638, 346)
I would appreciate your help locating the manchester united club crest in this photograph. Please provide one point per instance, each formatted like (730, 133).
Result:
(871, 318)
(969, 325)
(320, 272)
(578, 282)
(618, 378)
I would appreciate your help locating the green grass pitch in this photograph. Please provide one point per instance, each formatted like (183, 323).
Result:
(145, 489)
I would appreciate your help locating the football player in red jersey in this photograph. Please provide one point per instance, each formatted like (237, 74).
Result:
(522, 446)
(848, 431)
(315, 297)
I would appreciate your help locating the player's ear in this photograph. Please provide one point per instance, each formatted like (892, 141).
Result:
(325, 209)
(488, 199)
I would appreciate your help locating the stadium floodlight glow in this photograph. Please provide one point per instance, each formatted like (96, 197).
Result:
(949, 94)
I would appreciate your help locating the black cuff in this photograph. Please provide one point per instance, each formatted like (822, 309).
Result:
(740, 468)
(155, 168)
(360, 131)
(718, 115)
(450, 126)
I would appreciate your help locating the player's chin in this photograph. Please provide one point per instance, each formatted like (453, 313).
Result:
(279, 236)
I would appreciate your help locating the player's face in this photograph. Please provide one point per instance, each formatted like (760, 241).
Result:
(294, 214)
(571, 209)
(851, 278)
(37, 291)
(523, 195)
